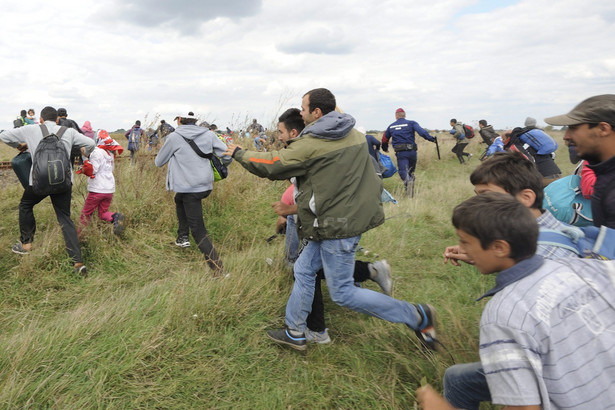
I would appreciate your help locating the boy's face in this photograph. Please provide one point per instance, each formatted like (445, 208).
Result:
(485, 260)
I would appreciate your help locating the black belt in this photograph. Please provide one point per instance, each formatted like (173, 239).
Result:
(404, 147)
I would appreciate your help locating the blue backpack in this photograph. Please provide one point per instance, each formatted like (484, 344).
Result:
(387, 162)
(540, 141)
(563, 198)
(587, 242)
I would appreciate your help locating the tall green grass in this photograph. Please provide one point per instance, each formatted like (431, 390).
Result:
(151, 328)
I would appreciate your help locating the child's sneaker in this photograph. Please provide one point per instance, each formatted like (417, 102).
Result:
(118, 223)
(182, 242)
(380, 272)
(317, 337)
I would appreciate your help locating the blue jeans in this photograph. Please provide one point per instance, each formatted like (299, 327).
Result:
(465, 386)
(336, 258)
(291, 245)
(406, 163)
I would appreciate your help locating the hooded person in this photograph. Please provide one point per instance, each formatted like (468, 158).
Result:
(191, 177)
(101, 184)
(87, 129)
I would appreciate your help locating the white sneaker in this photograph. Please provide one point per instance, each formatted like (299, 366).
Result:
(317, 337)
(380, 272)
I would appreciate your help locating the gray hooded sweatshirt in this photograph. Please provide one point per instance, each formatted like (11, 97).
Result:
(187, 171)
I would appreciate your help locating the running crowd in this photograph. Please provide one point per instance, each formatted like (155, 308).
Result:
(546, 334)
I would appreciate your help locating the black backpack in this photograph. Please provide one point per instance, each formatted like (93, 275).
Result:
(18, 123)
(51, 168)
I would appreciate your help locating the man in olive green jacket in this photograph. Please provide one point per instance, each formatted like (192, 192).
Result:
(338, 198)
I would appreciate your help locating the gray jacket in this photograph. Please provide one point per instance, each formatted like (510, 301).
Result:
(32, 135)
(187, 171)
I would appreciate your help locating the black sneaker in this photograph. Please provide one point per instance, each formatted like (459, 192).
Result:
(19, 249)
(284, 337)
(118, 223)
(426, 331)
(182, 242)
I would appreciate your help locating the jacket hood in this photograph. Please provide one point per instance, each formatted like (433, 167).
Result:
(190, 131)
(87, 126)
(332, 126)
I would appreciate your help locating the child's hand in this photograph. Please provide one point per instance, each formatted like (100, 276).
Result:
(454, 255)
(429, 399)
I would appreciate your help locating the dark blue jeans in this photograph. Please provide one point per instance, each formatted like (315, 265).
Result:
(190, 218)
(465, 386)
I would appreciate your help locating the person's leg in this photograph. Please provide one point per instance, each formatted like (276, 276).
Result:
(61, 206)
(402, 165)
(457, 150)
(103, 207)
(338, 262)
(465, 385)
(379, 272)
(299, 303)
(316, 319)
(291, 244)
(90, 205)
(361, 271)
(183, 230)
(27, 222)
(193, 208)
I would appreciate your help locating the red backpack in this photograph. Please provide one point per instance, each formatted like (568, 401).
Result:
(469, 131)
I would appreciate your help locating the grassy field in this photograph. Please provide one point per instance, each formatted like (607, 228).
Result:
(150, 327)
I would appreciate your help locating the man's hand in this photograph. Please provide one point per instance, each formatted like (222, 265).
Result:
(280, 225)
(454, 255)
(230, 149)
(282, 209)
(22, 147)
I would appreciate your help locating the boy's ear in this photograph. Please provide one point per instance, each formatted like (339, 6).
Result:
(500, 248)
(527, 197)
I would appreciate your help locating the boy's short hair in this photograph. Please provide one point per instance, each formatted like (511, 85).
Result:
(292, 120)
(497, 216)
(483, 123)
(512, 172)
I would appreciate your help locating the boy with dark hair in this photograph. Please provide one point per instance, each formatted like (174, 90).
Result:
(511, 173)
(460, 135)
(545, 336)
(487, 133)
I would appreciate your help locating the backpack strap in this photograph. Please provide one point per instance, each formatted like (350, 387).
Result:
(46, 133)
(551, 237)
(197, 149)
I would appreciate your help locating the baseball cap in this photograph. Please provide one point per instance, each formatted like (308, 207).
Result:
(591, 111)
(399, 110)
(190, 116)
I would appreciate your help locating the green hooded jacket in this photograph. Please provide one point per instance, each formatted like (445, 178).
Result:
(338, 191)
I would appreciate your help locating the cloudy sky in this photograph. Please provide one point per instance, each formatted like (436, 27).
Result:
(114, 61)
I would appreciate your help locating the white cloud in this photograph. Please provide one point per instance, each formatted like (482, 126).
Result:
(111, 62)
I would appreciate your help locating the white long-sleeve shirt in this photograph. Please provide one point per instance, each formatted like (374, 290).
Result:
(102, 164)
